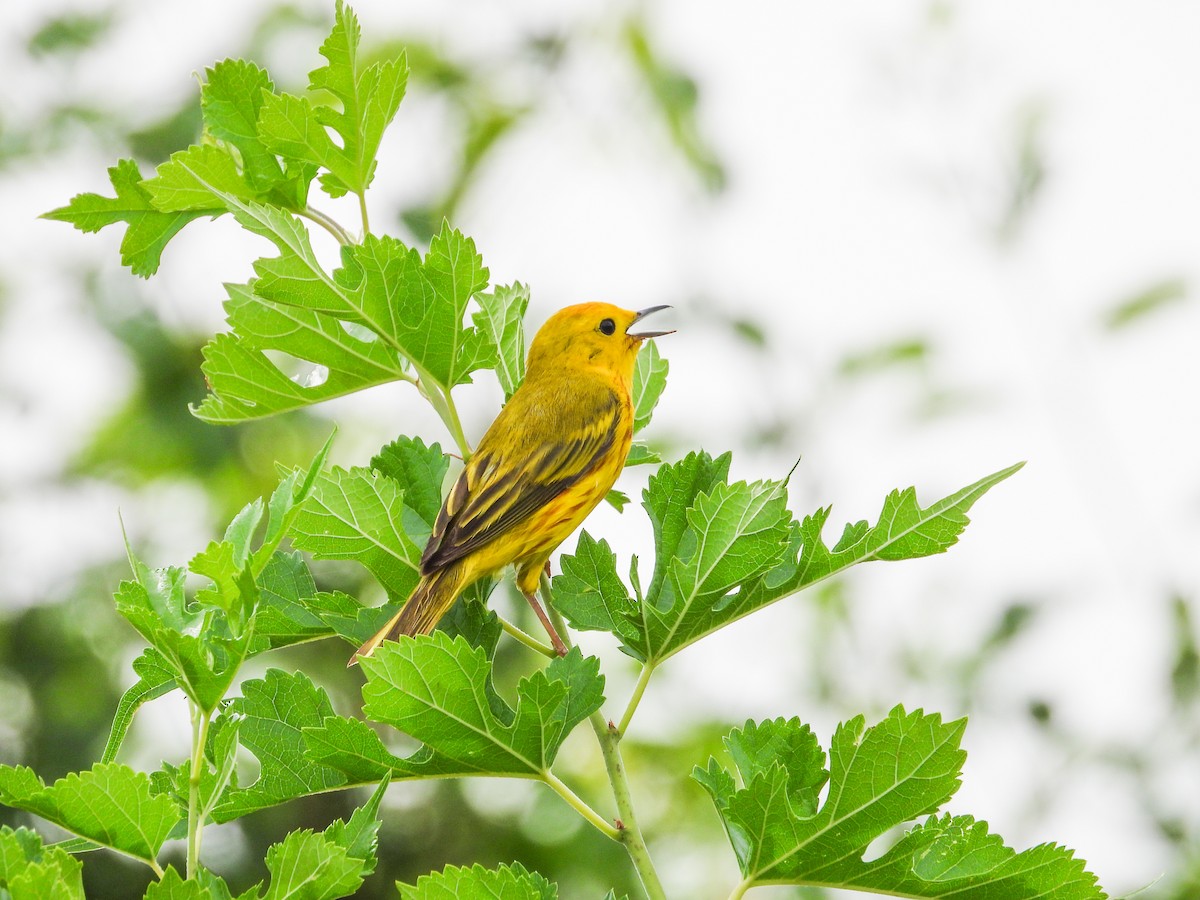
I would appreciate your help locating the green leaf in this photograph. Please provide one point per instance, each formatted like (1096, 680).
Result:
(724, 551)
(111, 805)
(31, 871)
(274, 709)
(508, 882)
(369, 97)
(879, 778)
(419, 470)
(191, 179)
(149, 229)
(231, 100)
(293, 489)
(290, 610)
(439, 690)
(156, 677)
(590, 593)
(360, 836)
(173, 887)
(233, 590)
(669, 494)
(649, 381)
(418, 305)
(307, 865)
(501, 318)
(640, 455)
(357, 514)
(734, 532)
(246, 384)
(905, 530)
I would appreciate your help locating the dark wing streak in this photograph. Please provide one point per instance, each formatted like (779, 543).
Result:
(471, 517)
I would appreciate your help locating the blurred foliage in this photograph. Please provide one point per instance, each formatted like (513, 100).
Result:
(1149, 300)
(71, 32)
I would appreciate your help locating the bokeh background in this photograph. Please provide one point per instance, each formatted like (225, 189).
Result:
(907, 243)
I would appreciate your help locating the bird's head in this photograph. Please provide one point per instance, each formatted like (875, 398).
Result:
(590, 335)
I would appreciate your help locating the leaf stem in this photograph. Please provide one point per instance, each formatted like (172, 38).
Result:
(740, 891)
(527, 639)
(631, 833)
(454, 423)
(315, 215)
(581, 807)
(200, 722)
(636, 698)
(609, 739)
(443, 404)
(362, 208)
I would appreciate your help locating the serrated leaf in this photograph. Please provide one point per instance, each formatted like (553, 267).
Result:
(649, 381)
(291, 128)
(172, 886)
(290, 610)
(308, 866)
(588, 591)
(110, 804)
(724, 551)
(879, 777)
(230, 100)
(295, 127)
(507, 882)
(156, 677)
(192, 179)
(439, 690)
(369, 99)
(905, 530)
(233, 590)
(501, 318)
(31, 871)
(149, 228)
(419, 304)
(357, 515)
(245, 384)
(667, 498)
(419, 470)
(734, 532)
(274, 709)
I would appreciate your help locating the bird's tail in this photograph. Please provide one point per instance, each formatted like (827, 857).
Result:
(432, 598)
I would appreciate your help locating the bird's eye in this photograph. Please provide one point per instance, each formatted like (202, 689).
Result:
(607, 326)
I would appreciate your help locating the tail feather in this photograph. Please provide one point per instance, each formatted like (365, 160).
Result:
(430, 600)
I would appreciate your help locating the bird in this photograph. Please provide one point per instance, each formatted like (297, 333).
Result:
(549, 457)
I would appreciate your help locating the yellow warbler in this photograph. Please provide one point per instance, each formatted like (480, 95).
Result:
(551, 455)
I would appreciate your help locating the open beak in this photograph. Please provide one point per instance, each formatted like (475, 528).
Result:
(642, 335)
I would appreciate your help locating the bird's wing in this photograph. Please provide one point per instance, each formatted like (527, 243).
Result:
(506, 482)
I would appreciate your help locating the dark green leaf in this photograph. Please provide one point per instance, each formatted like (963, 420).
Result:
(111, 805)
(31, 871)
(274, 710)
(879, 778)
(419, 471)
(511, 882)
(439, 690)
(357, 515)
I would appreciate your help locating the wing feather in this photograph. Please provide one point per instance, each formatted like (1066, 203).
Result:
(497, 492)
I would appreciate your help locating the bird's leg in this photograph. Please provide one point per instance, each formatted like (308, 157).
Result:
(559, 647)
